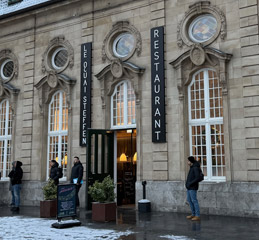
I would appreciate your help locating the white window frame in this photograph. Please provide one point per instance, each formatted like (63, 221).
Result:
(53, 58)
(2, 70)
(207, 122)
(60, 133)
(5, 138)
(125, 110)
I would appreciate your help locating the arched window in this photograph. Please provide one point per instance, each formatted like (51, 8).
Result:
(206, 124)
(5, 138)
(58, 131)
(123, 106)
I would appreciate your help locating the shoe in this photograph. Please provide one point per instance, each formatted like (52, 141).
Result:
(11, 205)
(196, 218)
(15, 209)
(190, 217)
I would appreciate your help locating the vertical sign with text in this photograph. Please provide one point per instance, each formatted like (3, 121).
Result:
(85, 96)
(158, 85)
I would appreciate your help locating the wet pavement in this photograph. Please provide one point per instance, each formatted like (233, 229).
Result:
(164, 225)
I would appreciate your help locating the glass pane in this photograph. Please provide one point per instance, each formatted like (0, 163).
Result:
(203, 28)
(217, 149)
(199, 145)
(197, 97)
(123, 45)
(215, 96)
(7, 69)
(60, 58)
(131, 105)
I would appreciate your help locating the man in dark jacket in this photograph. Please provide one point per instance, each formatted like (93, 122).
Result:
(16, 180)
(54, 172)
(77, 176)
(192, 185)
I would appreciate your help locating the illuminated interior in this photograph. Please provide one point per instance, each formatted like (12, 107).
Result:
(126, 166)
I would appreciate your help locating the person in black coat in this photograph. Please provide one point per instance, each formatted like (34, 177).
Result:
(16, 181)
(54, 172)
(77, 176)
(192, 185)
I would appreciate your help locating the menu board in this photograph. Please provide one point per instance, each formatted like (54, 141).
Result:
(66, 201)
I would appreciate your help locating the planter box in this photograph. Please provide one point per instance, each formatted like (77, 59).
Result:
(103, 212)
(48, 208)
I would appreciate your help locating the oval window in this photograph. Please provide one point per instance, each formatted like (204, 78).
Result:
(123, 45)
(203, 28)
(7, 69)
(59, 58)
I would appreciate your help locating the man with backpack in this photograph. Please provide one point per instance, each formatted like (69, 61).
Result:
(195, 175)
(55, 172)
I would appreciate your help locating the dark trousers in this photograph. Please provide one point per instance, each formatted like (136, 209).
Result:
(77, 191)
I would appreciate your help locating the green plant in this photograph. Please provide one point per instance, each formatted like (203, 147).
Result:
(50, 190)
(103, 191)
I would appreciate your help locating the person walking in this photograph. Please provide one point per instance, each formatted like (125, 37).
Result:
(16, 180)
(192, 185)
(77, 176)
(54, 171)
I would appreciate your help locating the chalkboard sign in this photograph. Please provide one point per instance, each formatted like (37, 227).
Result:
(66, 201)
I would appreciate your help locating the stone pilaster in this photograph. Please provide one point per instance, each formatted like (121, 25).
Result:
(159, 150)
(26, 150)
(249, 33)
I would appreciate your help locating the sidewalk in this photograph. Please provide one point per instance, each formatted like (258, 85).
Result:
(159, 225)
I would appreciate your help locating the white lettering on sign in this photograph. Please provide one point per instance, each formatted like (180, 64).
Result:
(85, 88)
(158, 130)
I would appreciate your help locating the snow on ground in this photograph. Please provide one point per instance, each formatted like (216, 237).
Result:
(172, 237)
(21, 228)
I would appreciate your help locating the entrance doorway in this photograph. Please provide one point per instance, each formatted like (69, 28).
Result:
(126, 166)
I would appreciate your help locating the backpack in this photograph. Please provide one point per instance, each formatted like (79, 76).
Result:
(60, 172)
(201, 175)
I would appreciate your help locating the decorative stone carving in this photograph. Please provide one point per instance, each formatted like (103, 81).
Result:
(1, 89)
(196, 9)
(197, 55)
(116, 68)
(109, 80)
(190, 62)
(118, 28)
(8, 91)
(52, 79)
(50, 84)
(7, 54)
(54, 44)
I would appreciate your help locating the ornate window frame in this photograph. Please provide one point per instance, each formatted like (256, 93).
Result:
(195, 10)
(7, 54)
(47, 87)
(206, 121)
(186, 65)
(125, 87)
(6, 137)
(117, 29)
(9, 93)
(59, 133)
(56, 43)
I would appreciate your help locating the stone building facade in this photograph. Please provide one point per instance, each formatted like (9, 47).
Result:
(210, 93)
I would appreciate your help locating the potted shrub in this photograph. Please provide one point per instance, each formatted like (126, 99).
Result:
(104, 205)
(48, 207)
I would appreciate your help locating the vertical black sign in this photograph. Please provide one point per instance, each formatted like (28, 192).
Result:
(86, 77)
(66, 201)
(158, 85)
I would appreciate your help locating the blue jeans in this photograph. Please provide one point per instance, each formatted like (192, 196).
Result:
(16, 192)
(194, 204)
(13, 197)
